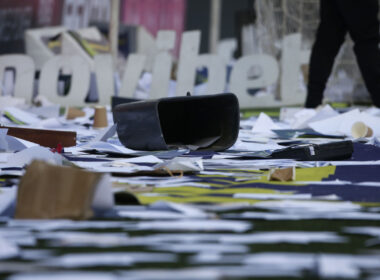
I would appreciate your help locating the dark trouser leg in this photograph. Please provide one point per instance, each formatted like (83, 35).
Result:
(330, 36)
(363, 25)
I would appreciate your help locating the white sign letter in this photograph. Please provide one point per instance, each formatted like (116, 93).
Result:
(25, 68)
(292, 59)
(162, 64)
(80, 80)
(132, 73)
(104, 78)
(240, 82)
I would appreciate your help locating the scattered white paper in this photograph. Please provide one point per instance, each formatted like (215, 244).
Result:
(50, 111)
(173, 274)
(294, 237)
(254, 147)
(295, 206)
(142, 159)
(331, 125)
(7, 101)
(181, 164)
(307, 215)
(371, 231)
(335, 125)
(36, 254)
(202, 247)
(334, 266)
(301, 118)
(7, 198)
(184, 209)
(109, 259)
(84, 239)
(109, 167)
(196, 225)
(268, 196)
(22, 116)
(304, 117)
(8, 249)
(3, 141)
(105, 134)
(287, 114)
(372, 121)
(51, 225)
(264, 125)
(150, 215)
(66, 275)
(282, 261)
(20, 237)
(104, 147)
(103, 197)
(12, 144)
(26, 156)
(4, 158)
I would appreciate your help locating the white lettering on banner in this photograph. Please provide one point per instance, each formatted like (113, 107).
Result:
(80, 80)
(291, 60)
(24, 68)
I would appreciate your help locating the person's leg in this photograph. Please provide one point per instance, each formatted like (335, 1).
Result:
(330, 36)
(363, 25)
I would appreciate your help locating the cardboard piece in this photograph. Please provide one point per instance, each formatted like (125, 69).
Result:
(282, 174)
(100, 117)
(44, 137)
(55, 192)
(73, 113)
(360, 130)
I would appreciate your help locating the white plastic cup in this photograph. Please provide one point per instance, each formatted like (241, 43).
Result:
(360, 130)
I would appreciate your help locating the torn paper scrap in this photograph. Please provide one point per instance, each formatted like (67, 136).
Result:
(282, 174)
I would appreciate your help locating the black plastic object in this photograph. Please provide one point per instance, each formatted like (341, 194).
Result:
(207, 122)
(310, 152)
(117, 100)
